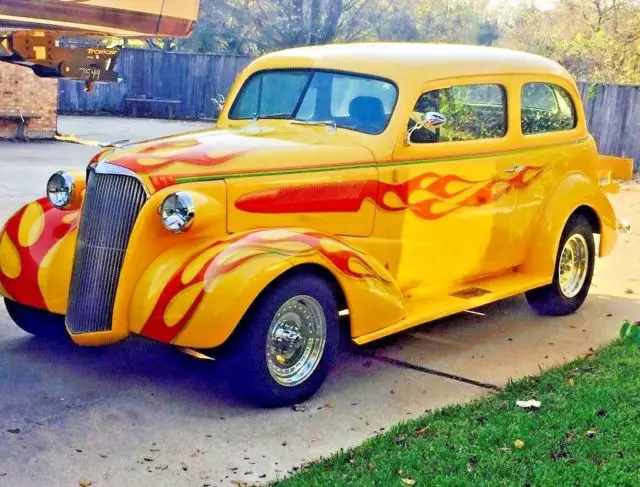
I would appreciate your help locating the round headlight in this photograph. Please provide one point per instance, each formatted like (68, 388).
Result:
(60, 189)
(177, 212)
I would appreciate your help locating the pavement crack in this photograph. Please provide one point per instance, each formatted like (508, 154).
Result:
(428, 370)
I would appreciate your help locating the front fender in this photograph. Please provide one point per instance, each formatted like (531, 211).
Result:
(575, 191)
(36, 255)
(195, 295)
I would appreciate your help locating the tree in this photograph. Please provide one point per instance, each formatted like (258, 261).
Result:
(488, 32)
(289, 23)
(256, 26)
(596, 40)
(217, 31)
(457, 21)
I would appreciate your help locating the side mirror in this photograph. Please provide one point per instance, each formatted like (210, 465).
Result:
(430, 121)
(219, 101)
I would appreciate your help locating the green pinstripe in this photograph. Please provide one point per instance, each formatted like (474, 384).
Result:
(283, 172)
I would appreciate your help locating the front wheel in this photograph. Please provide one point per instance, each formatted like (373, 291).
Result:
(36, 321)
(287, 343)
(573, 273)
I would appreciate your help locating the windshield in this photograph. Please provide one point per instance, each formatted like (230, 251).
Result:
(350, 101)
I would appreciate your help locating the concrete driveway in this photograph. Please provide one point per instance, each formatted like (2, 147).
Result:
(142, 414)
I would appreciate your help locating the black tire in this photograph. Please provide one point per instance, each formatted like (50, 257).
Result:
(245, 354)
(36, 321)
(550, 300)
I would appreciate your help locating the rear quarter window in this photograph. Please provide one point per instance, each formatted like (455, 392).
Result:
(546, 108)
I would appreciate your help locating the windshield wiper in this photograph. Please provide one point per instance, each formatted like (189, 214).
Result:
(282, 116)
(328, 123)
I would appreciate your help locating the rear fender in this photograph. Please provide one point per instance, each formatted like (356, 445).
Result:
(574, 192)
(203, 297)
(36, 255)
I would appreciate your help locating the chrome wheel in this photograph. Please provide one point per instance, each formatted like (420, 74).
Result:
(573, 266)
(296, 341)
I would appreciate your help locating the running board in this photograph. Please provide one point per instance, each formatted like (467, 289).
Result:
(458, 300)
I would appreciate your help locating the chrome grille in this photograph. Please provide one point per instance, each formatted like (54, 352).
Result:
(111, 205)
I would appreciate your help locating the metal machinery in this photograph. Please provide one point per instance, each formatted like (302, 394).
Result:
(31, 32)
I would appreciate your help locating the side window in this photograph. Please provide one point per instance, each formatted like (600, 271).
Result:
(546, 108)
(464, 112)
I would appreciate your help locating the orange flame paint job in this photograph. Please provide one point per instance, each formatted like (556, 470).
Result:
(55, 225)
(189, 152)
(222, 263)
(161, 182)
(349, 196)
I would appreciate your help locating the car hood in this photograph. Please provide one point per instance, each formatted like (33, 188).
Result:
(224, 153)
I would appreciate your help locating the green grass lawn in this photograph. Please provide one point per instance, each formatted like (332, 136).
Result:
(587, 432)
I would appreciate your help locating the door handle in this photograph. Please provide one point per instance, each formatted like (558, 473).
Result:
(515, 169)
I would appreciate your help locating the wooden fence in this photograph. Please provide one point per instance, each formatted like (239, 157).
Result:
(613, 117)
(192, 79)
(613, 111)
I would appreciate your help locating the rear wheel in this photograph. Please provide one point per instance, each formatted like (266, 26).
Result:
(287, 343)
(573, 273)
(36, 321)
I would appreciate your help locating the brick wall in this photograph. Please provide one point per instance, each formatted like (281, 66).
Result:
(22, 91)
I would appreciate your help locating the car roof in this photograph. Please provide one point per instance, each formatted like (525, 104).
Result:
(396, 60)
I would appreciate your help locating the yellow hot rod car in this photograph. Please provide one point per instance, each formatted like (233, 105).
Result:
(391, 184)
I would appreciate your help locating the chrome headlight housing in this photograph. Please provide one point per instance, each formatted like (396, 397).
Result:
(177, 212)
(60, 189)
